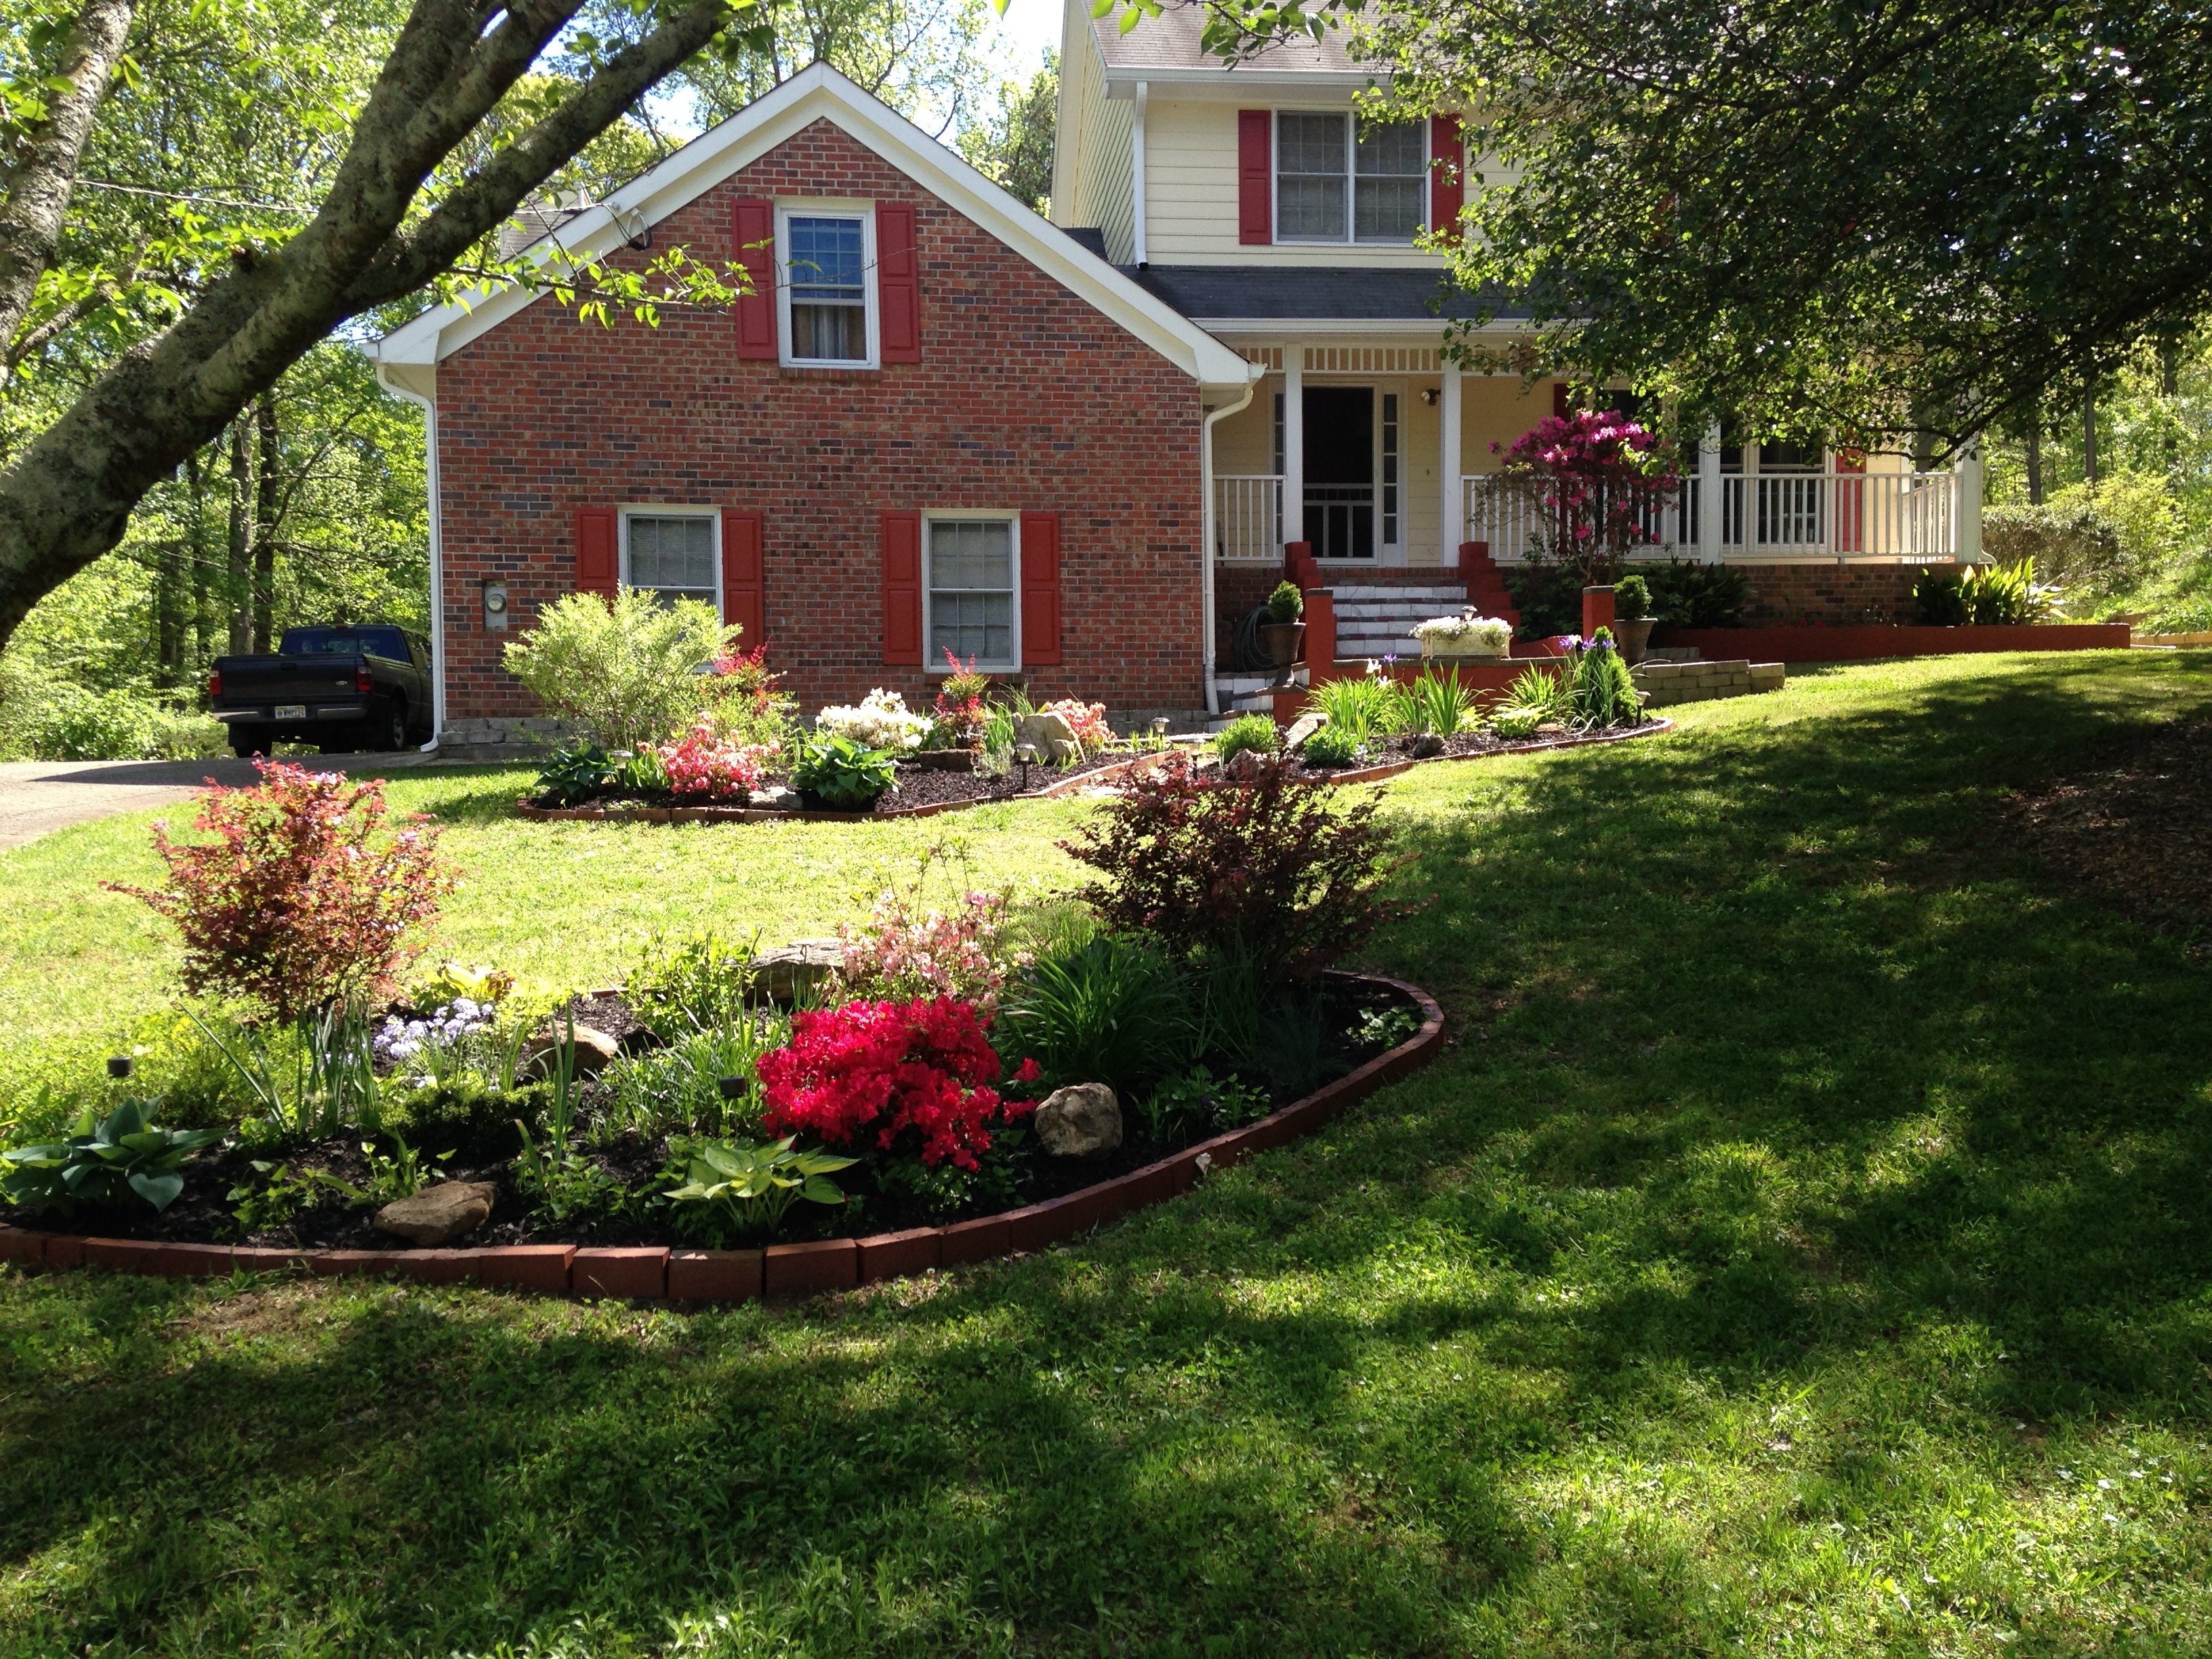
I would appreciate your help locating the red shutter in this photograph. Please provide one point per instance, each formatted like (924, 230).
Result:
(744, 596)
(1447, 174)
(1039, 590)
(898, 283)
(598, 564)
(902, 587)
(1256, 176)
(753, 229)
(1559, 400)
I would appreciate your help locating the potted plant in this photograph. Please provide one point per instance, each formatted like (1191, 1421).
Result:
(1284, 628)
(1465, 635)
(1631, 618)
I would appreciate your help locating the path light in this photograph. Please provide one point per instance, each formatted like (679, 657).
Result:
(120, 1067)
(732, 1087)
(1026, 754)
(1160, 730)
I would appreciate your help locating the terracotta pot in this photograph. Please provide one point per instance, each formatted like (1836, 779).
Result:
(1634, 634)
(1282, 641)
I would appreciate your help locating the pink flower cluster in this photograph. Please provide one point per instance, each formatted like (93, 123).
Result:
(874, 1071)
(897, 953)
(1603, 474)
(708, 766)
(1086, 720)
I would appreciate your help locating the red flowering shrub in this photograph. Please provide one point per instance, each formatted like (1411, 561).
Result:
(290, 904)
(873, 1071)
(960, 712)
(1599, 480)
(704, 765)
(1266, 862)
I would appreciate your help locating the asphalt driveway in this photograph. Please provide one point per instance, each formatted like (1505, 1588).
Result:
(38, 796)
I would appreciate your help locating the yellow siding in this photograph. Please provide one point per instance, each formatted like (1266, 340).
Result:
(1090, 182)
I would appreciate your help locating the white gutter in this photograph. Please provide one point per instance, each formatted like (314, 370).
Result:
(1206, 528)
(429, 408)
(1137, 170)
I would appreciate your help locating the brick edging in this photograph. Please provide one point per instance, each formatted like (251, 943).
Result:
(781, 1270)
(1053, 791)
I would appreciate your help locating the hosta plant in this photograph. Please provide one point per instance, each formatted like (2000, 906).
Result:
(842, 773)
(749, 1188)
(102, 1159)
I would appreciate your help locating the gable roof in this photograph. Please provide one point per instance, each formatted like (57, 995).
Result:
(407, 358)
(1167, 49)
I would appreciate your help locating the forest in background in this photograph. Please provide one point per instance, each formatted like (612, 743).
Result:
(311, 506)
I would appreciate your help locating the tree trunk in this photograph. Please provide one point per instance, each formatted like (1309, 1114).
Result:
(196, 553)
(2035, 466)
(2089, 432)
(265, 522)
(169, 615)
(239, 547)
(2169, 388)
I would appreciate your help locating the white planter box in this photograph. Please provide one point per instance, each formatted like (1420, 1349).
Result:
(1470, 647)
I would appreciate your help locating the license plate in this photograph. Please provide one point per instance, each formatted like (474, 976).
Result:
(291, 711)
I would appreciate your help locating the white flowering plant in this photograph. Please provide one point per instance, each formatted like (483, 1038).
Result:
(1484, 633)
(435, 1048)
(880, 720)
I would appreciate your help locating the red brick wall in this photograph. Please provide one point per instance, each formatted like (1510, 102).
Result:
(1834, 593)
(1025, 398)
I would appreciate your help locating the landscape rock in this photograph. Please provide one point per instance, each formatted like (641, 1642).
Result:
(1052, 737)
(1302, 728)
(595, 1049)
(439, 1213)
(1428, 746)
(1081, 1121)
(790, 971)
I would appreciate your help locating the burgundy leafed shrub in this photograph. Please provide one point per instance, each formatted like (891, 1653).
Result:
(1265, 860)
(292, 902)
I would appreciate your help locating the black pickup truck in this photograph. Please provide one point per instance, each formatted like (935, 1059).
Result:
(361, 686)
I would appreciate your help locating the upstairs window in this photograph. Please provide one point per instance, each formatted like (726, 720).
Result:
(1338, 181)
(826, 299)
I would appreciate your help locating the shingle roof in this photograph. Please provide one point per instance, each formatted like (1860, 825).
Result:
(1308, 293)
(1171, 41)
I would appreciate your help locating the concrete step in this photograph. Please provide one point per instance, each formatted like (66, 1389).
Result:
(1455, 593)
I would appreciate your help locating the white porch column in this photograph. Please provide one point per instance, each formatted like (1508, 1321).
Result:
(1294, 443)
(1453, 518)
(1711, 507)
(1966, 508)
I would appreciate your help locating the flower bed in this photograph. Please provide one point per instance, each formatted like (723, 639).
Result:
(1475, 745)
(1088, 1196)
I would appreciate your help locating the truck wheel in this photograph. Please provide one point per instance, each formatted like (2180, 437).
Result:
(386, 727)
(244, 744)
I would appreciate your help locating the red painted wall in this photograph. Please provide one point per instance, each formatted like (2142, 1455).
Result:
(1025, 398)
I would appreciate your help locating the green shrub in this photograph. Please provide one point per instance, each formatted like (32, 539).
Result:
(1198, 1103)
(842, 774)
(1286, 604)
(1939, 598)
(59, 720)
(1112, 1010)
(744, 1189)
(1253, 734)
(626, 672)
(102, 1159)
(2005, 595)
(1691, 595)
(695, 983)
(574, 774)
(1332, 746)
(1632, 598)
(1603, 692)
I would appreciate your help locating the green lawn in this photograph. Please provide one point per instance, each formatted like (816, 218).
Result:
(1803, 1246)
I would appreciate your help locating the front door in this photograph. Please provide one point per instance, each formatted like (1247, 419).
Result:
(1340, 454)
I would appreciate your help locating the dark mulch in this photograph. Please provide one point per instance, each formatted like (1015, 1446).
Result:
(920, 784)
(1388, 750)
(478, 1150)
(2132, 830)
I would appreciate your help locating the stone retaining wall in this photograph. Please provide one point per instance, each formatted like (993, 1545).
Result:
(1672, 683)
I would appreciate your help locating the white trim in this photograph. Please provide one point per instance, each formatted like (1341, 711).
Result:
(1272, 330)
(872, 325)
(1137, 174)
(817, 94)
(933, 655)
(1225, 83)
(1451, 452)
(626, 511)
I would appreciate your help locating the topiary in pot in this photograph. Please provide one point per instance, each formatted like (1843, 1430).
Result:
(1632, 620)
(1283, 629)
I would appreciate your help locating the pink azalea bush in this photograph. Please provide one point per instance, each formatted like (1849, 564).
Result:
(1598, 479)
(705, 765)
(905, 950)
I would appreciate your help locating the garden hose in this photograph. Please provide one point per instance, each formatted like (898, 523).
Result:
(1245, 653)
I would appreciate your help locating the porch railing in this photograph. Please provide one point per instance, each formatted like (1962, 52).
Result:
(1247, 517)
(1873, 515)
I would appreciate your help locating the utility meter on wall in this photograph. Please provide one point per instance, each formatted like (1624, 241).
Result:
(495, 604)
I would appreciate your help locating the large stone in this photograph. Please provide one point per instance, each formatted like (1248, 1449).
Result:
(1302, 728)
(794, 971)
(439, 1213)
(1050, 735)
(1081, 1121)
(595, 1049)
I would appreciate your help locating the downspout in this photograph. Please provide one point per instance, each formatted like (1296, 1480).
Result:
(1137, 172)
(429, 408)
(1205, 516)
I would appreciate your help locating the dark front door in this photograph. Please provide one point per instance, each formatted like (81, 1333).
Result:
(1339, 505)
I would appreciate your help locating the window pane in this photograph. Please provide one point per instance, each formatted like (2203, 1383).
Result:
(829, 333)
(1389, 210)
(674, 555)
(971, 589)
(826, 258)
(1310, 182)
(1391, 165)
(1396, 149)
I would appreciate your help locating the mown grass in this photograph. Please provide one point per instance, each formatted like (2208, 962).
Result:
(1803, 1248)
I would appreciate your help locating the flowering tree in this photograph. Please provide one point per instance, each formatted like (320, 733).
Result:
(292, 904)
(1600, 479)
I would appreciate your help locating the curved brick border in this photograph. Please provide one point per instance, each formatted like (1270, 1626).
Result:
(774, 815)
(781, 1270)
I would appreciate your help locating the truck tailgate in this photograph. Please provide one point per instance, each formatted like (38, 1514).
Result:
(250, 682)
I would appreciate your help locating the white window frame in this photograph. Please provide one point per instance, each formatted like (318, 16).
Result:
(650, 510)
(1348, 239)
(932, 653)
(826, 207)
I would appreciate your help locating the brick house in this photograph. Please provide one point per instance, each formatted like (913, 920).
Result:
(1080, 454)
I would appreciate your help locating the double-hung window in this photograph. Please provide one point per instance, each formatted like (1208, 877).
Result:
(828, 291)
(1338, 181)
(671, 555)
(971, 580)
